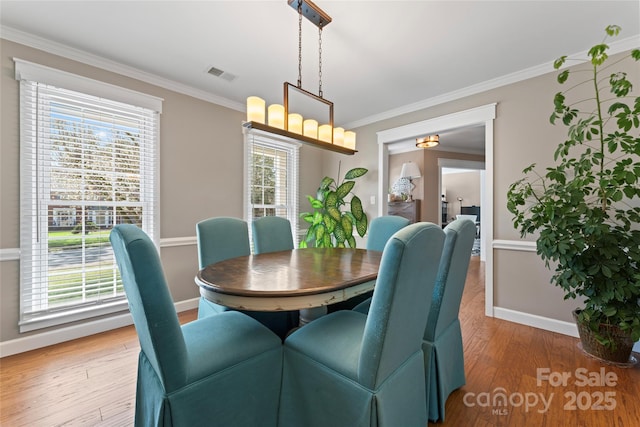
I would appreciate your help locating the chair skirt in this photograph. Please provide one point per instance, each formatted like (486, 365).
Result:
(221, 399)
(444, 368)
(314, 395)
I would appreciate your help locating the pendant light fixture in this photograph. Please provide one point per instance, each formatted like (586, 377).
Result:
(280, 120)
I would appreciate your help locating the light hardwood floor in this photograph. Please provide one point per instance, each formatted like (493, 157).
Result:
(91, 381)
(505, 357)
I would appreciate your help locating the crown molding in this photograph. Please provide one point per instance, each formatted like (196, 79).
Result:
(36, 42)
(528, 73)
(84, 57)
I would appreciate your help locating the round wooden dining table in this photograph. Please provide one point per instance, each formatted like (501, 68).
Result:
(306, 279)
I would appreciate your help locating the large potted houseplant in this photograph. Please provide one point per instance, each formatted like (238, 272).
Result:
(585, 207)
(332, 223)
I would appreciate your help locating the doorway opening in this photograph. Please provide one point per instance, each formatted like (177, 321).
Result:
(462, 189)
(404, 136)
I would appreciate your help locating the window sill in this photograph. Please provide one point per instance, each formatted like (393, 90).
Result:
(63, 317)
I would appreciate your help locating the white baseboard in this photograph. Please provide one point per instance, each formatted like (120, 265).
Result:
(548, 324)
(553, 325)
(44, 339)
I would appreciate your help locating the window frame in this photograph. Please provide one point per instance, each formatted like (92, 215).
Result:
(34, 190)
(254, 137)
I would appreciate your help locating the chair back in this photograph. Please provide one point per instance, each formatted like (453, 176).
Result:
(150, 303)
(221, 238)
(396, 320)
(473, 218)
(382, 228)
(452, 274)
(271, 234)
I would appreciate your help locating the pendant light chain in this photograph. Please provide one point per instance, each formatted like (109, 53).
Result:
(300, 45)
(320, 61)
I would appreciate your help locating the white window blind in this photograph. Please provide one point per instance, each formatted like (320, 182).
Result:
(271, 177)
(87, 163)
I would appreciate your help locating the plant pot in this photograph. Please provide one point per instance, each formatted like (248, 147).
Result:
(619, 353)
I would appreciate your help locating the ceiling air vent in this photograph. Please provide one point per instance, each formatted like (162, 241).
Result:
(222, 74)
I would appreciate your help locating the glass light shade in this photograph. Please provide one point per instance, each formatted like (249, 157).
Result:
(295, 123)
(428, 141)
(324, 133)
(276, 116)
(310, 128)
(350, 140)
(338, 136)
(255, 109)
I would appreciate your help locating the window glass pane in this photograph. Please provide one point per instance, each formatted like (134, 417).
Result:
(80, 266)
(269, 196)
(272, 171)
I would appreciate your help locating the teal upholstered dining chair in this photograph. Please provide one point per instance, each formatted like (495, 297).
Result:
(382, 228)
(219, 239)
(273, 234)
(380, 231)
(350, 369)
(222, 238)
(224, 369)
(442, 341)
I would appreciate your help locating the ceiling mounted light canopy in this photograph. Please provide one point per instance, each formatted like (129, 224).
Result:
(428, 141)
(281, 120)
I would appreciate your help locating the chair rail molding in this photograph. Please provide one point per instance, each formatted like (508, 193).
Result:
(514, 245)
(13, 254)
(169, 242)
(9, 254)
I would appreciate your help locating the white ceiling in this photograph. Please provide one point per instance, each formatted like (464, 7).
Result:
(380, 58)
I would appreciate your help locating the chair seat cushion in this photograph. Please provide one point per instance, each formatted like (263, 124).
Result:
(222, 340)
(333, 340)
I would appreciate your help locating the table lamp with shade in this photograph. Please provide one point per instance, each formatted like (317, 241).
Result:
(410, 171)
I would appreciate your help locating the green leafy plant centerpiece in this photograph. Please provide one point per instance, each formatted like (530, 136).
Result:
(585, 207)
(331, 225)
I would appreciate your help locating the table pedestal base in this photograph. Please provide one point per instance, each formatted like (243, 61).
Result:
(309, 314)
